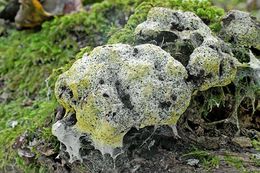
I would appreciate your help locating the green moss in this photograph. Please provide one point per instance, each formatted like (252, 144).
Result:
(255, 160)
(87, 118)
(32, 60)
(256, 144)
(235, 161)
(2, 4)
(29, 120)
(101, 131)
(106, 134)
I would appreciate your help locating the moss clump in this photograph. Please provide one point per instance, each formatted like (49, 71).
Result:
(235, 161)
(28, 58)
(29, 120)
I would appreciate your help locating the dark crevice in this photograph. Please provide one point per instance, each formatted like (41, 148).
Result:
(221, 69)
(173, 97)
(198, 78)
(123, 96)
(105, 95)
(192, 125)
(218, 113)
(71, 120)
(176, 26)
(66, 90)
(180, 50)
(228, 19)
(135, 52)
(214, 47)
(255, 51)
(198, 38)
(101, 81)
(165, 36)
(165, 105)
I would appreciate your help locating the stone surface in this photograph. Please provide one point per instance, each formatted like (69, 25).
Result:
(208, 59)
(193, 162)
(241, 28)
(242, 141)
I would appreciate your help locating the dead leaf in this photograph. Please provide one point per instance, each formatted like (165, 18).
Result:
(33, 13)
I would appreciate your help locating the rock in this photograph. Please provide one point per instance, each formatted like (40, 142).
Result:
(20, 141)
(5, 97)
(193, 162)
(177, 32)
(27, 155)
(12, 123)
(30, 14)
(243, 142)
(118, 87)
(241, 28)
(209, 68)
(208, 59)
(10, 10)
(59, 113)
(48, 152)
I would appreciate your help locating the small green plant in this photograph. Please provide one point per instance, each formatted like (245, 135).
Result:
(256, 144)
(208, 160)
(256, 160)
(235, 162)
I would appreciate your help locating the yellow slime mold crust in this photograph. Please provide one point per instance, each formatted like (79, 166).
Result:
(135, 72)
(119, 87)
(88, 121)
